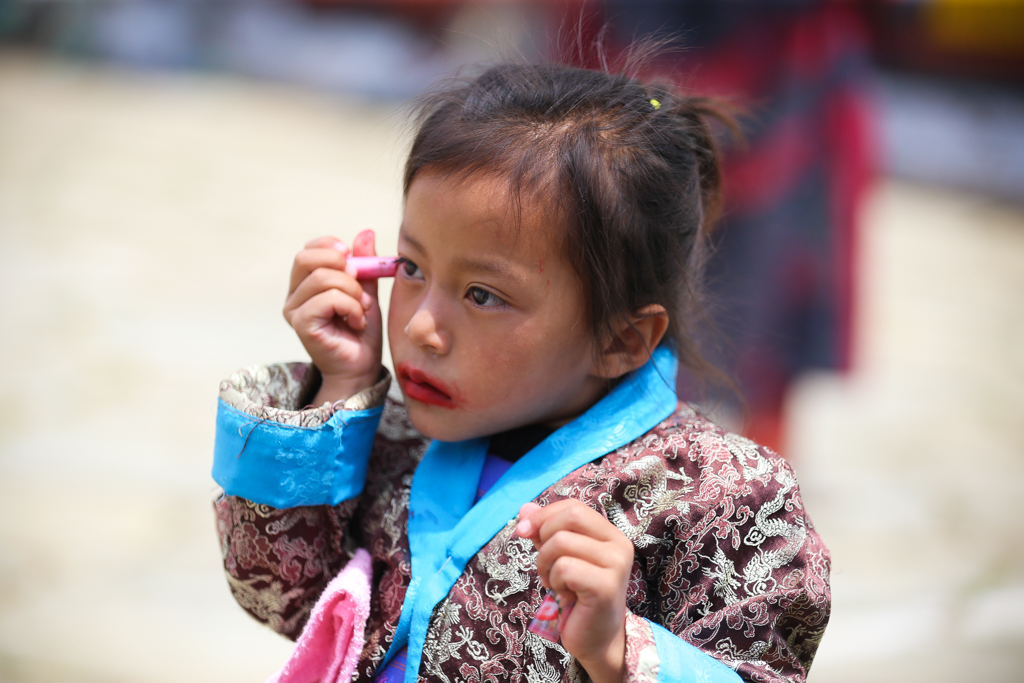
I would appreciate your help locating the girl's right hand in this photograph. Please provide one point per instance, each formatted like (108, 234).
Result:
(337, 317)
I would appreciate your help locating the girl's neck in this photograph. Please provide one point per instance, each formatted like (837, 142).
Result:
(515, 443)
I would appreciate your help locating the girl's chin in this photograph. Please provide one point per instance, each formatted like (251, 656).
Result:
(441, 424)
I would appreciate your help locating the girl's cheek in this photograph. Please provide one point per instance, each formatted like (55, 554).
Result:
(398, 316)
(498, 377)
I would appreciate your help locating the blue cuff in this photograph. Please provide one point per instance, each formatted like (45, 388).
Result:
(681, 662)
(284, 466)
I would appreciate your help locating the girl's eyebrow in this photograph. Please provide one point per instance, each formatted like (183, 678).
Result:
(491, 266)
(497, 267)
(405, 236)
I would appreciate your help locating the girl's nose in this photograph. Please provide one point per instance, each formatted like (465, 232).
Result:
(424, 333)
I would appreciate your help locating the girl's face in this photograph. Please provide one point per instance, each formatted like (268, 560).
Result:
(486, 324)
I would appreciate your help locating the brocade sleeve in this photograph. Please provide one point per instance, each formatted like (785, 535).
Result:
(279, 553)
(729, 568)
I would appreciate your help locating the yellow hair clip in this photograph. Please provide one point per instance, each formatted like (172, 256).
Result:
(656, 104)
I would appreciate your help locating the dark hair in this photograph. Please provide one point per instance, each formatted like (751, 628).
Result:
(633, 167)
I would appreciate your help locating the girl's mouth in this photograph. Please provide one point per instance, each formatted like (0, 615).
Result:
(421, 387)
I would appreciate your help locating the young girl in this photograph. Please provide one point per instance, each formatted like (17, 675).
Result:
(549, 258)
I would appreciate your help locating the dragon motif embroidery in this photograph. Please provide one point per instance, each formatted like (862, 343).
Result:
(650, 496)
(521, 559)
(759, 572)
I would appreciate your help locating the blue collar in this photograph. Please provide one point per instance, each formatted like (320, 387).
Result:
(446, 530)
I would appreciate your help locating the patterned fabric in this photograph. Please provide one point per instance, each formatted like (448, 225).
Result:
(273, 392)
(725, 557)
(641, 652)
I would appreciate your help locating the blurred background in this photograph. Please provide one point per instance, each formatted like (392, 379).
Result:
(161, 161)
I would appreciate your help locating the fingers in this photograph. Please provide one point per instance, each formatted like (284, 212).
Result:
(322, 266)
(524, 528)
(364, 244)
(321, 309)
(583, 558)
(322, 280)
(574, 578)
(308, 260)
(573, 541)
(539, 524)
(335, 317)
(570, 544)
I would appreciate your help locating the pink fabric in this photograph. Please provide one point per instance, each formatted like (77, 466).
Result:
(328, 649)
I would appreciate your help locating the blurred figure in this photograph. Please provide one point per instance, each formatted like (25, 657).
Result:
(782, 277)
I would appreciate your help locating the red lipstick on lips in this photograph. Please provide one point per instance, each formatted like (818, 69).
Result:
(421, 387)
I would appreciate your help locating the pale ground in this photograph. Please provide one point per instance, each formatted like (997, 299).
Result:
(147, 224)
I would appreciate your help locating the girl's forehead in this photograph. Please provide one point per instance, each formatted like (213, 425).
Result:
(484, 206)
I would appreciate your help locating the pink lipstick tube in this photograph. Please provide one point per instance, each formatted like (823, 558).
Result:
(374, 267)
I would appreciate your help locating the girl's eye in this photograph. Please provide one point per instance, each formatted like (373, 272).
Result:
(410, 269)
(481, 297)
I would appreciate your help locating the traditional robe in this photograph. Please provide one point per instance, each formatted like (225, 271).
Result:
(727, 566)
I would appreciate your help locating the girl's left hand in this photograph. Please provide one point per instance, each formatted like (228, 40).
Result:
(584, 557)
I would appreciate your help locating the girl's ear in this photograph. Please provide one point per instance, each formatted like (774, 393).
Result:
(634, 341)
